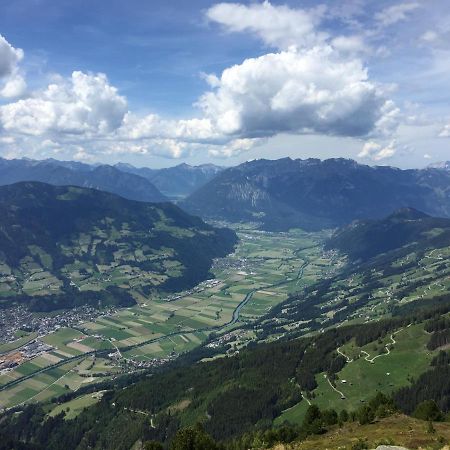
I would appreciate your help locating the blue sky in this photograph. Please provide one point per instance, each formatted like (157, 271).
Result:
(156, 83)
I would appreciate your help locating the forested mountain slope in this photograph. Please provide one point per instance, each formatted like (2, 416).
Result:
(245, 392)
(72, 241)
(405, 227)
(314, 194)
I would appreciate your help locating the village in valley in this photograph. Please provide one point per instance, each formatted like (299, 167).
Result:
(60, 352)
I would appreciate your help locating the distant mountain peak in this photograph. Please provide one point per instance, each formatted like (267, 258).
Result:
(440, 165)
(408, 213)
(363, 240)
(314, 194)
(176, 181)
(63, 173)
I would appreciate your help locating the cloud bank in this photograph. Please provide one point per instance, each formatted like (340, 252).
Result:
(311, 82)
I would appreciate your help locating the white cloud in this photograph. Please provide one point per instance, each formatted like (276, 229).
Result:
(153, 126)
(277, 26)
(80, 154)
(429, 36)
(396, 13)
(310, 91)
(445, 132)
(7, 140)
(350, 44)
(313, 84)
(85, 103)
(12, 82)
(233, 148)
(377, 152)
(15, 86)
(9, 57)
(166, 148)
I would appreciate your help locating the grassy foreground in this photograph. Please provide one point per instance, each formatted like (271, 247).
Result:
(394, 430)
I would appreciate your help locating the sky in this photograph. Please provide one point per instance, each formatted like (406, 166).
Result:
(160, 82)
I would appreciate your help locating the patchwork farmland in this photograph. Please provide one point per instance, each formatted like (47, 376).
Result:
(261, 273)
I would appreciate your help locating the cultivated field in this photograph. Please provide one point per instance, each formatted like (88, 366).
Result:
(267, 265)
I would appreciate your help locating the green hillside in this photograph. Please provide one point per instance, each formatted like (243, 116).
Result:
(392, 262)
(61, 246)
(270, 385)
(374, 328)
(405, 227)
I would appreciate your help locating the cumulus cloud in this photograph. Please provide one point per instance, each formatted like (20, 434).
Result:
(377, 152)
(313, 83)
(277, 26)
(395, 13)
(15, 86)
(12, 83)
(311, 91)
(80, 154)
(9, 57)
(86, 103)
(153, 126)
(7, 140)
(350, 44)
(234, 147)
(445, 132)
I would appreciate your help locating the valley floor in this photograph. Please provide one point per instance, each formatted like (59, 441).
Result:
(263, 271)
(248, 289)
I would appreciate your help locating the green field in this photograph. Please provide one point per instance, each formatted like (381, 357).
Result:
(360, 378)
(267, 263)
(270, 266)
(74, 407)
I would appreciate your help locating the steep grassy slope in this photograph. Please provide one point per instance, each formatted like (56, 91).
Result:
(56, 240)
(397, 430)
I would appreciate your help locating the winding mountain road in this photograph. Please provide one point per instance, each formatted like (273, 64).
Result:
(334, 387)
(348, 359)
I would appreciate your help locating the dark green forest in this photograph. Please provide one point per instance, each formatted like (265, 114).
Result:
(52, 219)
(235, 396)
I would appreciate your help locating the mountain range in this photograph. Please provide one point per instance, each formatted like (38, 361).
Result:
(142, 184)
(64, 173)
(314, 194)
(178, 181)
(276, 194)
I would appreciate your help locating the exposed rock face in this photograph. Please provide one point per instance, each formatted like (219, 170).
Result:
(314, 194)
(390, 447)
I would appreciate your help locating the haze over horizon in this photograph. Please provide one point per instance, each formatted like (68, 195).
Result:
(161, 83)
